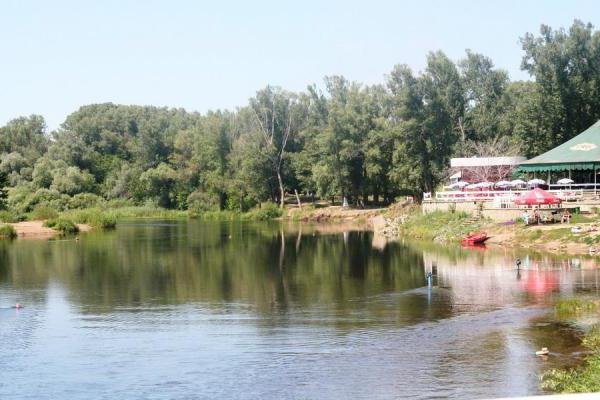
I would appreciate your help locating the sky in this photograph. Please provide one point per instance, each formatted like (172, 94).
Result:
(56, 56)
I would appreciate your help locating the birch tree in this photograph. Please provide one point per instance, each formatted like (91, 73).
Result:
(275, 113)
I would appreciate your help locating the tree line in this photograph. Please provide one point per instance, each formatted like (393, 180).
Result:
(368, 143)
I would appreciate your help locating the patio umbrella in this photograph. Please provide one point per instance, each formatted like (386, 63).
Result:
(503, 184)
(536, 181)
(518, 182)
(485, 184)
(565, 181)
(460, 184)
(537, 197)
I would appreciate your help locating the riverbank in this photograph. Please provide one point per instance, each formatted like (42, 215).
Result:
(450, 227)
(45, 222)
(399, 220)
(36, 229)
(585, 378)
(40, 222)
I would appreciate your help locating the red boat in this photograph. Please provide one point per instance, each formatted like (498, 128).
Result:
(475, 238)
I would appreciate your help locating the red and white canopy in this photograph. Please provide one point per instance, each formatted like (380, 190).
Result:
(536, 197)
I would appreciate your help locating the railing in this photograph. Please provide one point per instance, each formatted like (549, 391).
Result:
(497, 195)
(584, 186)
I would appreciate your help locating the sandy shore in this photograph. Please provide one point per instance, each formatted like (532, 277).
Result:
(336, 214)
(37, 230)
(515, 237)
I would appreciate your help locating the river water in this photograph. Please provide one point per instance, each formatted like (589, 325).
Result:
(196, 310)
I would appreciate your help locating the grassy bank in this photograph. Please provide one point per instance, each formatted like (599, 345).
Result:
(7, 232)
(439, 226)
(265, 212)
(107, 217)
(586, 377)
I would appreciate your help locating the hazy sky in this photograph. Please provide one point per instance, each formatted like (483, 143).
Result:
(58, 55)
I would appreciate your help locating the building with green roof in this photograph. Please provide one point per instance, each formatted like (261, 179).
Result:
(580, 153)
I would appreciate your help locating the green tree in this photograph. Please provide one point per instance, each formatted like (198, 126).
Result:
(277, 119)
(565, 66)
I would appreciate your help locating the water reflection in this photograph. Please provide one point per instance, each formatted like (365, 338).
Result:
(176, 309)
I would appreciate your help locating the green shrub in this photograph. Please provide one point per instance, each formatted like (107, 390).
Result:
(592, 339)
(62, 225)
(102, 220)
(10, 216)
(43, 212)
(267, 211)
(200, 202)
(573, 307)
(85, 200)
(95, 217)
(234, 203)
(45, 197)
(17, 197)
(217, 216)
(119, 203)
(7, 232)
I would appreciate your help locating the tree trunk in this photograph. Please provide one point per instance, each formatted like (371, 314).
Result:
(281, 190)
(298, 199)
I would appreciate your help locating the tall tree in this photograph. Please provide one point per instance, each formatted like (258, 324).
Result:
(566, 68)
(277, 120)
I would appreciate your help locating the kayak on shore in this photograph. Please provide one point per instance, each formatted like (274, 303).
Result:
(475, 238)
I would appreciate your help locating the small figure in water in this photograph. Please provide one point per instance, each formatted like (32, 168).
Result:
(18, 306)
(429, 279)
(518, 262)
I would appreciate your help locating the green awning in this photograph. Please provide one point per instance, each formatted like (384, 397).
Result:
(557, 167)
(580, 153)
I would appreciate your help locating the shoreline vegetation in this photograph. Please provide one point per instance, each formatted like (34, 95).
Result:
(447, 227)
(585, 377)
(396, 221)
(45, 221)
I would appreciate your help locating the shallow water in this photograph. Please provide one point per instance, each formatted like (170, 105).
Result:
(162, 309)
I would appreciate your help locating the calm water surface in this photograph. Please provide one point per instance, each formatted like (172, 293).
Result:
(161, 310)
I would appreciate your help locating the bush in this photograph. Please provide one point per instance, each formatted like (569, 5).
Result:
(119, 203)
(62, 225)
(43, 212)
(102, 220)
(200, 202)
(574, 307)
(234, 203)
(7, 232)
(44, 197)
(592, 339)
(266, 212)
(85, 200)
(9, 216)
(94, 217)
(18, 197)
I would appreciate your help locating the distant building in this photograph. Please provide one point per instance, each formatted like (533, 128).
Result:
(480, 169)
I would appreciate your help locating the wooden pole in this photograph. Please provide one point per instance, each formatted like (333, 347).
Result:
(595, 176)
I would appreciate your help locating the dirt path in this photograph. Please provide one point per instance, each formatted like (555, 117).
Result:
(37, 230)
